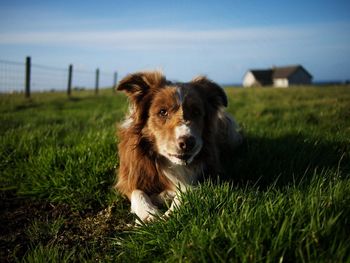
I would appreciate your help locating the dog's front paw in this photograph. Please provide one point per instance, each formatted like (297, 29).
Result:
(143, 207)
(147, 217)
(164, 198)
(167, 214)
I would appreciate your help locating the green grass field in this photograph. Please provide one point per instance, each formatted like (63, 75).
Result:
(287, 200)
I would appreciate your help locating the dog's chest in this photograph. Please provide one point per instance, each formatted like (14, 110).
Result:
(182, 176)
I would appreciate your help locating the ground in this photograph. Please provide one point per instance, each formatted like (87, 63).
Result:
(286, 197)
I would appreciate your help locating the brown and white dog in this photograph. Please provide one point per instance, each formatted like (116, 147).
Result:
(172, 136)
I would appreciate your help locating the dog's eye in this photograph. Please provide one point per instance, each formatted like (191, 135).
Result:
(163, 113)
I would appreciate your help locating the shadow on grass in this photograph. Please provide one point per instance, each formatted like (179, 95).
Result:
(28, 104)
(57, 103)
(291, 159)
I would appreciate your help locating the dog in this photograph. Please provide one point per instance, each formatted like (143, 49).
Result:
(171, 138)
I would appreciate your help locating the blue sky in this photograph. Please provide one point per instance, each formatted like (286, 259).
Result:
(221, 39)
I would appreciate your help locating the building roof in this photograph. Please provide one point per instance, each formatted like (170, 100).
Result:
(266, 76)
(286, 72)
(263, 76)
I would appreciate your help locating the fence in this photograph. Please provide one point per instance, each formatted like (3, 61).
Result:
(26, 77)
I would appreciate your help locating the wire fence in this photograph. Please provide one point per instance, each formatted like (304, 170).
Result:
(86, 79)
(14, 78)
(11, 76)
(45, 78)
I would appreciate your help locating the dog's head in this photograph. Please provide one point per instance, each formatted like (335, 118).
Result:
(176, 116)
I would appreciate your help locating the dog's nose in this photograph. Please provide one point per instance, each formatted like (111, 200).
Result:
(186, 143)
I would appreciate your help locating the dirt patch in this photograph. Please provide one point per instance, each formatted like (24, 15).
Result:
(26, 223)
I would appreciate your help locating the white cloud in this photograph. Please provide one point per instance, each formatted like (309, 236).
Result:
(154, 39)
(223, 54)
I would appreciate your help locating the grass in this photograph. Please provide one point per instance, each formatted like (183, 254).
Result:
(287, 200)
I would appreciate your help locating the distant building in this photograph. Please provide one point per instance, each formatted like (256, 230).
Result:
(281, 77)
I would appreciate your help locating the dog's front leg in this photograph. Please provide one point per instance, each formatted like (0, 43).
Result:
(164, 198)
(142, 206)
(174, 205)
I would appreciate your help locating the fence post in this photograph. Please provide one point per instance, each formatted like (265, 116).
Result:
(27, 80)
(115, 81)
(70, 77)
(97, 80)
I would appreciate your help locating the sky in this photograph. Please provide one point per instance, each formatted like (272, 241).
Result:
(220, 39)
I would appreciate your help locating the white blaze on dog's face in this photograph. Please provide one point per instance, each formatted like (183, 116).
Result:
(176, 120)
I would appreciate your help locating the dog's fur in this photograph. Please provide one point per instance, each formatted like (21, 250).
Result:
(172, 136)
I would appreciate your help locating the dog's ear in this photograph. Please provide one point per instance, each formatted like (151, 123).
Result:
(138, 85)
(214, 94)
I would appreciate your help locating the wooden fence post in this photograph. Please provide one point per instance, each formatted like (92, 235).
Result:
(70, 78)
(115, 81)
(97, 80)
(27, 79)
